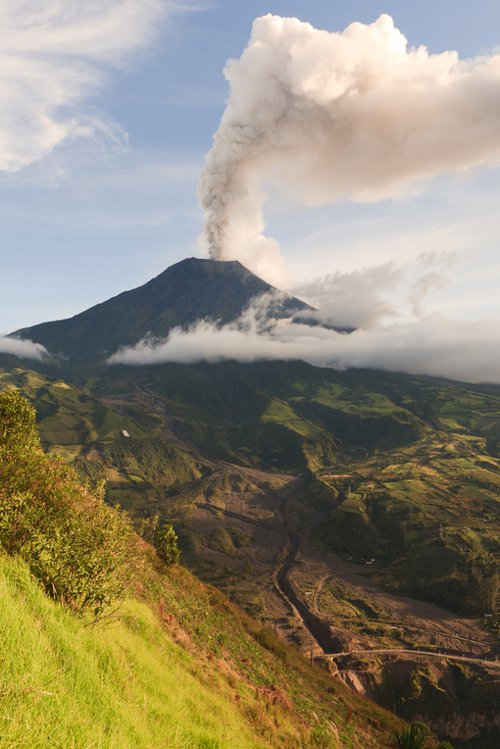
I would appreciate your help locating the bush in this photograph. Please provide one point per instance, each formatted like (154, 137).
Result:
(167, 546)
(412, 737)
(17, 422)
(76, 546)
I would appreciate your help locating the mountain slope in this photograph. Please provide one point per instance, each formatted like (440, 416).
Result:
(187, 291)
(125, 685)
(278, 468)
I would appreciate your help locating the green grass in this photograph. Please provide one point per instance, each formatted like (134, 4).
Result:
(191, 673)
(282, 413)
(173, 666)
(126, 684)
(360, 401)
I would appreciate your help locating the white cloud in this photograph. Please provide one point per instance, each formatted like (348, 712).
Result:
(23, 349)
(53, 55)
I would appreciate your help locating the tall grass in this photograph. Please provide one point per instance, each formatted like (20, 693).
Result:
(126, 685)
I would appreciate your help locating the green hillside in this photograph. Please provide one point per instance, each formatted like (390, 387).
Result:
(126, 684)
(163, 661)
(403, 470)
(392, 475)
(144, 679)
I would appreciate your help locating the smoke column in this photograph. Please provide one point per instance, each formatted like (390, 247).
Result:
(329, 116)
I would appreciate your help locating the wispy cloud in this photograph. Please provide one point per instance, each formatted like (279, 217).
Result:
(54, 55)
(371, 295)
(23, 349)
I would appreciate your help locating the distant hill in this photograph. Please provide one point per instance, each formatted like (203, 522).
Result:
(191, 290)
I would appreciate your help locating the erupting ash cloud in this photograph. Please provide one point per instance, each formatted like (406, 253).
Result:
(338, 115)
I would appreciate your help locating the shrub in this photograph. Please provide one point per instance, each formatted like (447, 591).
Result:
(412, 737)
(17, 421)
(75, 545)
(167, 546)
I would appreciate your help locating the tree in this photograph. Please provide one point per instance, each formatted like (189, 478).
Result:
(167, 546)
(17, 421)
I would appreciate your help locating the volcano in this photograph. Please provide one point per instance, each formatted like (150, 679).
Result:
(190, 290)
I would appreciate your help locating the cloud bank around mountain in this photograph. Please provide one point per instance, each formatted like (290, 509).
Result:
(457, 349)
(54, 55)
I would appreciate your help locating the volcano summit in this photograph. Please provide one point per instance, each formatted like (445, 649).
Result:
(184, 293)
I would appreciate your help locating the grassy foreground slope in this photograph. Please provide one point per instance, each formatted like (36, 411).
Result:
(123, 685)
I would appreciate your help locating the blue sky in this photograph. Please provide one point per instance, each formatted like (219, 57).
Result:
(104, 212)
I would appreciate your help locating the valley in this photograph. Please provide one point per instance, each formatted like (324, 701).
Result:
(343, 553)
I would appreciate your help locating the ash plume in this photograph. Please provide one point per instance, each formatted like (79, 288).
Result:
(330, 116)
